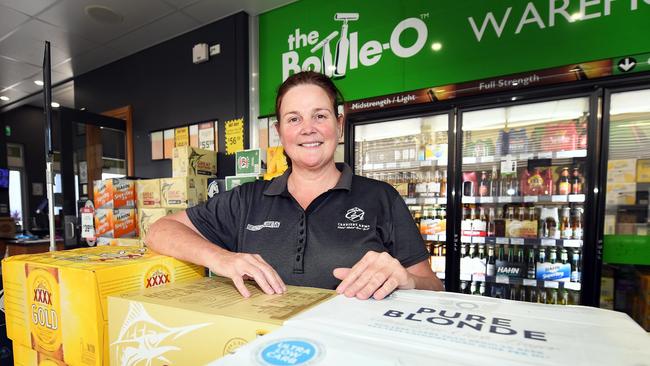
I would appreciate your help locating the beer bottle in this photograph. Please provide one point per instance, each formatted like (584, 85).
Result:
(566, 231)
(491, 226)
(564, 256)
(491, 262)
(530, 266)
(541, 296)
(520, 255)
(500, 254)
(576, 182)
(463, 287)
(443, 184)
(463, 251)
(481, 252)
(521, 214)
(511, 254)
(511, 213)
(564, 184)
(543, 229)
(532, 293)
(542, 255)
(494, 182)
(436, 184)
(577, 224)
(522, 293)
(513, 292)
(575, 266)
(481, 289)
(552, 298)
(411, 184)
(474, 288)
(552, 258)
(564, 297)
(484, 185)
(532, 214)
(472, 213)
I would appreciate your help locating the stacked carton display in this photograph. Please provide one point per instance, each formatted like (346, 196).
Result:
(250, 165)
(115, 212)
(210, 319)
(56, 305)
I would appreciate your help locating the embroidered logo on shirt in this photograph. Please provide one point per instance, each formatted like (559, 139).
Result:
(269, 224)
(355, 215)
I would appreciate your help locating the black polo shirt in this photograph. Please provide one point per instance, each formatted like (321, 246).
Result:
(304, 246)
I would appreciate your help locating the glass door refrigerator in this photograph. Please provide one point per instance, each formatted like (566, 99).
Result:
(412, 154)
(626, 165)
(522, 227)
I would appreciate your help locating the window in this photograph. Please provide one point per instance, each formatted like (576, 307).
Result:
(16, 197)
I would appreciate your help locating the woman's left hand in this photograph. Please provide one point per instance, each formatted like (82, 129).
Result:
(375, 275)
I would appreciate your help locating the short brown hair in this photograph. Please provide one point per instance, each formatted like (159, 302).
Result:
(313, 78)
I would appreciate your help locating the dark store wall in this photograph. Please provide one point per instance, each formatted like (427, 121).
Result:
(4, 193)
(165, 89)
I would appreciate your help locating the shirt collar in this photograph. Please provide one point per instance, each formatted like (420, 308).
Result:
(278, 186)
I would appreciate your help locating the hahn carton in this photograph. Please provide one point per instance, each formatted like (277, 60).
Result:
(195, 322)
(55, 302)
(116, 223)
(114, 193)
(252, 161)
(148, 193)
(425, 328)
(103, 220)
(190, 161)
(183, 192)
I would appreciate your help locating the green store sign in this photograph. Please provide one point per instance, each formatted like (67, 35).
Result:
(373, 48)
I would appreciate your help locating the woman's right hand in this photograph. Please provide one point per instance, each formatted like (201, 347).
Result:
(241, 266)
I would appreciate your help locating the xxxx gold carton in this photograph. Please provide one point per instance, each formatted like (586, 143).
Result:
(24, 356)
(148, 193)
(55, 302)
(190, 161)
(195, 322)
(114, 193)
(183, 192)
(119, 242)
(147, 216)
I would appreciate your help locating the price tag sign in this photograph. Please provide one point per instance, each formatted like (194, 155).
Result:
(517, 241)
(548, 242)
(87, 221)
(508, 166)
(502, 241)
(529, 282)
(234, 135)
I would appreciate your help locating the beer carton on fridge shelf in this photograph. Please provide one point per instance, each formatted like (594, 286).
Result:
(621, 171)
(55, 302)
(190, 161)
(183, 192)
(414, 327)
(210, 319)
(147, 216)
(643, 171)
(238, 180)
(620, 193)
(521, 229)
(252, 161)
(114, 193)
(148, 193)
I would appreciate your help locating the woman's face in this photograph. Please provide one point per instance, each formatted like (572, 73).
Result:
(308, 127)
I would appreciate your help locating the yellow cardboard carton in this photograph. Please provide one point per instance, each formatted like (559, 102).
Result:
(210, 319)
(190, 161)
(24, 356)
(183, 192)
(621, 171)
(620, 193)
(643, 171)
(55, 302)
(148, 193)
(147, 216)
(120, 242)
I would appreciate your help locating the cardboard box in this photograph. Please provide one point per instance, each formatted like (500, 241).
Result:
(148, 193)
(114, 193)
(191, 162)
(7, 227)
(620, 193)
(621, 171)
(643, 171)
(183, 192)
(276, 163)
(116, 223)
(521, 229)
(24, 356)
(148, 216)
(119, 242)
(252, 161)
(210, 319)
(238, 180)
(55, 302)
(442, 328)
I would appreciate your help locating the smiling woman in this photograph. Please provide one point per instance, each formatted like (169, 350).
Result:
(316, 225)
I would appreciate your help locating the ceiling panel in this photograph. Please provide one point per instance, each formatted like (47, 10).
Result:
(13, 95)
(70, 15)
(64, 41)
(180, 3)
(28, 85)
(12, 72)
(29, 50)
(31, 7)
(208, 10)
(95, 59)
(155, 32)
(10, 19)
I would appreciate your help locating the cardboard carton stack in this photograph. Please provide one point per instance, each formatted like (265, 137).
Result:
(210, 319)
(250, 165)
(115, 212)
(56, 302)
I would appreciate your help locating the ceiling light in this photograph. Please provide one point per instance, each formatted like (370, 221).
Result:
(436, 46)
(103, 14)
(38, 82)
(5, 98)
(55, 105)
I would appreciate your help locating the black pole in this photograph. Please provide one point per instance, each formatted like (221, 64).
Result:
(47, 100)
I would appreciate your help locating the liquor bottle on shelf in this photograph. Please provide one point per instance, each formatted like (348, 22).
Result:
(576, 182)
(564, 183)
(494, 182)
(530, 265)
(491, 262)
(443, 184)
(491, 224)
(575, 266)
(566, 230)
(484, 185)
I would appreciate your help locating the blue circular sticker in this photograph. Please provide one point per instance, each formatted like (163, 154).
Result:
(288, 352)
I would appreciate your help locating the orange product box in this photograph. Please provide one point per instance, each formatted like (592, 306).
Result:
(125, 223)
(114, 193)
(103, 222)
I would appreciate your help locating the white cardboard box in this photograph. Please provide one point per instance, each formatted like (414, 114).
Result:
(437, 328)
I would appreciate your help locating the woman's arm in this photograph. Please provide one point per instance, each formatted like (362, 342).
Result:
(176, 236)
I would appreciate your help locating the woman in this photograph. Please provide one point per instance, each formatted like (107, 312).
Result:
(317, 225)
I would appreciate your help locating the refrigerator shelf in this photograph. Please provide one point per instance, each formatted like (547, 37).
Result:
(567, 243)
(414, 164)
(435, 237)
(425, 200)
(468, 160)
(505, 280)
(543, 199)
